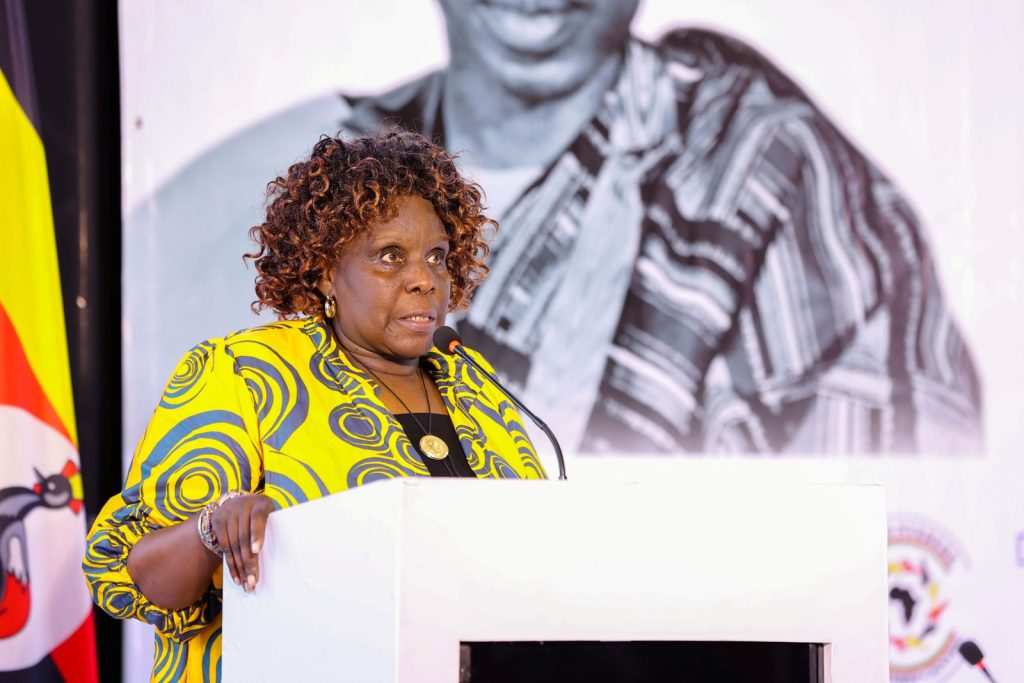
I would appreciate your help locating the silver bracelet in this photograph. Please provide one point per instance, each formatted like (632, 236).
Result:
(205, 522)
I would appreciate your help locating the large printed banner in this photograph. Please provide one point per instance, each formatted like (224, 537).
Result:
(787, 232)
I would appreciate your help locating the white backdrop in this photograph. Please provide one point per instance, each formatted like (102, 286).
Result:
(929, 89)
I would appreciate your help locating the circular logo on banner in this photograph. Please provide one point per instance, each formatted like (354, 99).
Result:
(924, 568)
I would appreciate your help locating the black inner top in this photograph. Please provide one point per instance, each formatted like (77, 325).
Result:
(455, 465)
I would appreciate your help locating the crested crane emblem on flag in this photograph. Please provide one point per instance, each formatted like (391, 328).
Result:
(54, 492)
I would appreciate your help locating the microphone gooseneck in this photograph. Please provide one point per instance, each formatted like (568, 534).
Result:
(448, 341)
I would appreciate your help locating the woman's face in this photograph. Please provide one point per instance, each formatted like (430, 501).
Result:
(392, 285)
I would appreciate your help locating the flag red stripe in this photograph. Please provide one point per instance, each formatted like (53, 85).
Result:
(19, 386)
(76, 657)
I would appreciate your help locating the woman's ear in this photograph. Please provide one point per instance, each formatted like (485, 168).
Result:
(326, 286)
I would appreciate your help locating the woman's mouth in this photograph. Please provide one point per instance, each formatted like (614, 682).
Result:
(419, 322)
(527, 27)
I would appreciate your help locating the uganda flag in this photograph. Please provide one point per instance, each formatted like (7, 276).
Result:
(46, 630)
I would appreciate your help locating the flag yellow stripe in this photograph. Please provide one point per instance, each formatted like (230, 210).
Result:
(29, 276)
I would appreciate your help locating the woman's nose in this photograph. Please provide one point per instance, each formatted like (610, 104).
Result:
(420, 277)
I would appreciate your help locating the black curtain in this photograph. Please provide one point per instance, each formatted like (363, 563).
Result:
(75, 58)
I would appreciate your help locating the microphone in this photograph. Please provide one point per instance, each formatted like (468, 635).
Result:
(970, 651)
(448, 340)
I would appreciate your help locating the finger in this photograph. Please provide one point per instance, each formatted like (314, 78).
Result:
(257, 530)
(258, 525)
(237, 545)
(221, 529)
(231, 545)
(245, 549)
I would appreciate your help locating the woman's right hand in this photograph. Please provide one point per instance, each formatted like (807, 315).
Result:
(239, 524)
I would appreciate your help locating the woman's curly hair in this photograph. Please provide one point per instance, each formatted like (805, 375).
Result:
(344, 187)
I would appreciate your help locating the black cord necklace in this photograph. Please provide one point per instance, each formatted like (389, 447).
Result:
(430, 445)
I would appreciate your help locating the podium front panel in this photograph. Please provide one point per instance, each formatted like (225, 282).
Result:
(383, 582)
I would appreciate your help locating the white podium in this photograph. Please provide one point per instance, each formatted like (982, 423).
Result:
(383, 582)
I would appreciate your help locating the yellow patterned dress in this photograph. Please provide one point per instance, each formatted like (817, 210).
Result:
(277, 409)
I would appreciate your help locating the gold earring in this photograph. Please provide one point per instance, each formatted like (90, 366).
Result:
(330, 307)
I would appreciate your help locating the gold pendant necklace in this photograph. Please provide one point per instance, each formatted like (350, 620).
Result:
(434, 447)
(431, 446)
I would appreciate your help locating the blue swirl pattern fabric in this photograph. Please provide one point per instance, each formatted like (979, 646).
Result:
(279, 410)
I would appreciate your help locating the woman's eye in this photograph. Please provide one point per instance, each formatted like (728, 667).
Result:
(391, 256)
(436, 257)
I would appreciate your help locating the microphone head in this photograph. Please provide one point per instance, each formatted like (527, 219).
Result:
(447, 340)
(970, 651)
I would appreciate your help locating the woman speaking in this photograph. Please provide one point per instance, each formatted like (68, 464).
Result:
(366, 246)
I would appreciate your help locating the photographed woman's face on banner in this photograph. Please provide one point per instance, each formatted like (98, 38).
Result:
(536, 49)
